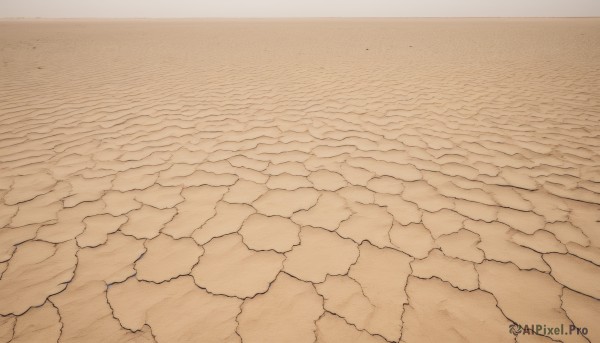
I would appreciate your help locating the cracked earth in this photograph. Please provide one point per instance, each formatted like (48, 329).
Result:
(299, 181)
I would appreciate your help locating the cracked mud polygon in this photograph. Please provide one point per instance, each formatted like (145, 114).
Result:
(299, 181)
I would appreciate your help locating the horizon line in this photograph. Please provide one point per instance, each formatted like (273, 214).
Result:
(319, 17)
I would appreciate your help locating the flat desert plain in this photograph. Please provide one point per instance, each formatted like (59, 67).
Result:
(409, 180)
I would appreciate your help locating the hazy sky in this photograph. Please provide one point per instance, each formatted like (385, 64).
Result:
(298, 8)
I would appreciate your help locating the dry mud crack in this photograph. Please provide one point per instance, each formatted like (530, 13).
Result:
(299, 181)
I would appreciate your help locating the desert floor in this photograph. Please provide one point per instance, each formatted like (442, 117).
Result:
(299, 180)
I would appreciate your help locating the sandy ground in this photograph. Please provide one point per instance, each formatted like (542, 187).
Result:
(299, 180)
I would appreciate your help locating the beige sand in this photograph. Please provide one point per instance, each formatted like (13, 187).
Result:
(299, 180)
